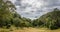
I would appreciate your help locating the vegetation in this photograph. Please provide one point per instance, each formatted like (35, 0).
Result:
(9, 17)
(52, 19)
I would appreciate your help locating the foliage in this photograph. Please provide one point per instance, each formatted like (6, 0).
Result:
(9, 17)
(51, 19)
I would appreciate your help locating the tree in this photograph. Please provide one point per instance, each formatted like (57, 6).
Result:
(51, 19)
(5, 12)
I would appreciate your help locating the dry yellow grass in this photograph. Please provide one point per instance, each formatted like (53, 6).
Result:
(31, 30)
(35, 30)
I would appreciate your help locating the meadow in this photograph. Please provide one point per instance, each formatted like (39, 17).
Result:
(28, 30)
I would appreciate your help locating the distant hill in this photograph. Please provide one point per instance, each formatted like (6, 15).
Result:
(51, 19)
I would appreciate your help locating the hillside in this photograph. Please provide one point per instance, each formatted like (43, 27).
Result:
(51, 19)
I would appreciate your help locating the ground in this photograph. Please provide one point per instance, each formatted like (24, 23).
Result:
(33, 30)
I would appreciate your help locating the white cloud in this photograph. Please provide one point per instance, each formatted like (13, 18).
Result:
(12, 0)
(35, 8)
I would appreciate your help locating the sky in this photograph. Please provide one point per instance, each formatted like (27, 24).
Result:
(35, 8)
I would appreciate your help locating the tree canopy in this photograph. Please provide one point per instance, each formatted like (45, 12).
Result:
(9, 17)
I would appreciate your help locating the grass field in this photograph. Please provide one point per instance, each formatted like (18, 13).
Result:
(29, 30)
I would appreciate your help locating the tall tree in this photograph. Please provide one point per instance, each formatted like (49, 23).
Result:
(6, 8)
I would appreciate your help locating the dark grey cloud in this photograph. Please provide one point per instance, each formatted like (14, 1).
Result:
(17, 2)
(51, 3)
(35, 8)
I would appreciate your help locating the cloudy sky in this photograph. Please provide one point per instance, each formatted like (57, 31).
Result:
(35, 8)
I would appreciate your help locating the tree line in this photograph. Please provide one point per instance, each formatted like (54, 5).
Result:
(9, 17)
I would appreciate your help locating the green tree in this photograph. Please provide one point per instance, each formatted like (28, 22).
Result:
(6, 9)
(52, 19)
